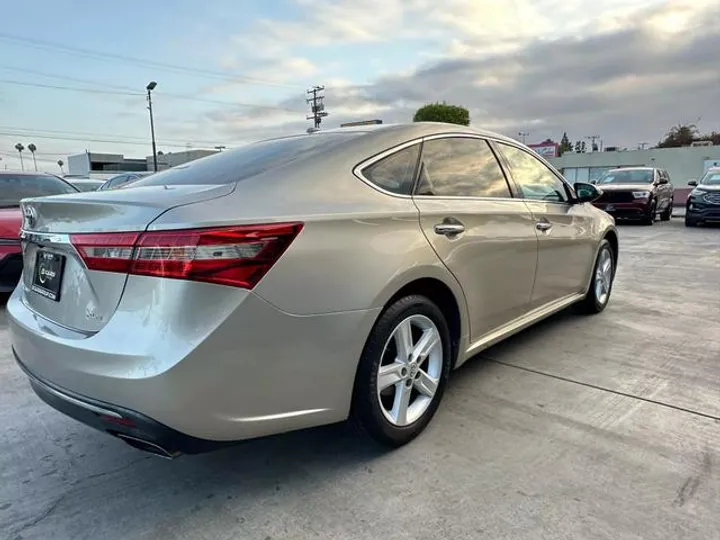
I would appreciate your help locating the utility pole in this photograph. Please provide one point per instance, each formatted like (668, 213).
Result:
(317, 107)
(593, 144)
(150, 87)
(523, 135)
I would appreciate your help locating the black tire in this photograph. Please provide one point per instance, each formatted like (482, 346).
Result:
(689, 222)
(591, 304)
(649, 219)
(667, 214)
(366, 411)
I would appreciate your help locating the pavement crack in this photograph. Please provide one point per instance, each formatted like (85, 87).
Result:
(40, 517)
(112, 471)
(76, 487)
(602, 388)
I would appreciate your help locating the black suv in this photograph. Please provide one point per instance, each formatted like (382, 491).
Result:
(703, 203)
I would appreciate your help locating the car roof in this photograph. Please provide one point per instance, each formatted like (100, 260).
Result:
(406, 131)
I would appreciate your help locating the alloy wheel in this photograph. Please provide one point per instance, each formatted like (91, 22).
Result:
(603, 276)
(410, 370)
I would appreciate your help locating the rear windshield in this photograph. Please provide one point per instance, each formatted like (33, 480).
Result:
(15, 187)
(712, 178)
(630, 176)
(247, 161)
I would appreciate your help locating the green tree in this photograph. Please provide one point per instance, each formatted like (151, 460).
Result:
(442, 112)
(680, 135)
(565, 144)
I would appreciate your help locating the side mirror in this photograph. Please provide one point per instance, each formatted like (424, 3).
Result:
(692, 183)
(586, 192)
(663, 180)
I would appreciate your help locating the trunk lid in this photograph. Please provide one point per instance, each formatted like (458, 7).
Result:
(86, 299)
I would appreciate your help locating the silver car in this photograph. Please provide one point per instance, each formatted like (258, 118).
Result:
(299, 281)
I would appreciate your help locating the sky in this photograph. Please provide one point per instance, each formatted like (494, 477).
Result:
(73, 73)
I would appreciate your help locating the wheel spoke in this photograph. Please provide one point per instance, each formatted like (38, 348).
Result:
(400, 404)
(425, 384)
(427, 342)
(403, 340)
(606, 266)
(390, 374)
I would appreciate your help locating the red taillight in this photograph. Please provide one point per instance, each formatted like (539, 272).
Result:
(238, 256)
(110, 252)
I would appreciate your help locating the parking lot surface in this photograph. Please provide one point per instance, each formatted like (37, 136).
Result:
(580, 428)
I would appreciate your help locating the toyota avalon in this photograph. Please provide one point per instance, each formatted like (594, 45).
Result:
(299, 281)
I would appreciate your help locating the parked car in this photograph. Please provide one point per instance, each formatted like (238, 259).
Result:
(86, 184)
(298, 281)
(703, 202)
(123, 180)
(15, 186)
(639, 193)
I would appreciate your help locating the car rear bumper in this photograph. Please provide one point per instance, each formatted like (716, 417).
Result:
(633, 210)
(237, 369)
(131, 426)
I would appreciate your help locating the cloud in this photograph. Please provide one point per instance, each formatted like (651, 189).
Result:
(626, 80)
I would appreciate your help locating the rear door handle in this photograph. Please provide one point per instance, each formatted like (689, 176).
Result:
(449, 228)
(543, 225)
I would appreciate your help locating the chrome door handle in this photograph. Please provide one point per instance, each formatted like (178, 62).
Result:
(543, 225)
(449, 229)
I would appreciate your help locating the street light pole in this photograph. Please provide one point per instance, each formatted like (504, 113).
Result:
(150, 87)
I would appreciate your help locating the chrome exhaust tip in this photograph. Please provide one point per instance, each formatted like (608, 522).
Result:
(147, 446)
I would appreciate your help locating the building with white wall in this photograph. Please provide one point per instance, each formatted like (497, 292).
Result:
(103, 165)
(683, 164)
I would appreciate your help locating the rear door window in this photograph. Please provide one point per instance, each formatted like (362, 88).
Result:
(460, 167)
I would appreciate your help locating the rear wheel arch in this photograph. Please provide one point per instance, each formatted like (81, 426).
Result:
(612, 237)
(444, 298)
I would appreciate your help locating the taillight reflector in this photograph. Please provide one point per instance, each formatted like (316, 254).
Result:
(238, 256)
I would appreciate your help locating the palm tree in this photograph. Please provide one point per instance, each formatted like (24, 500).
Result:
(19, 147)
(32, 149)
(60, 163)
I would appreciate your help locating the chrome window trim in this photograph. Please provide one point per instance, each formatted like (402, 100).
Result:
(358, 169)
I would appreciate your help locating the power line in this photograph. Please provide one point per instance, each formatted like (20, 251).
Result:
(72, 88)
(137, 94)
(47, 45)
(88, 139)
(66, 78)
(30, 133)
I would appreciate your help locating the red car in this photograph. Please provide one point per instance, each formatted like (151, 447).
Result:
(15, 186)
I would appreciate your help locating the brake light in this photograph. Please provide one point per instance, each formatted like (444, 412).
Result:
(110, 252)
(238, 256)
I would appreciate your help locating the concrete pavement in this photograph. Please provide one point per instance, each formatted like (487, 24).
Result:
(601, 427)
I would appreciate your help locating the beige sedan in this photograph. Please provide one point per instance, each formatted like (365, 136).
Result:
(299, 281)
